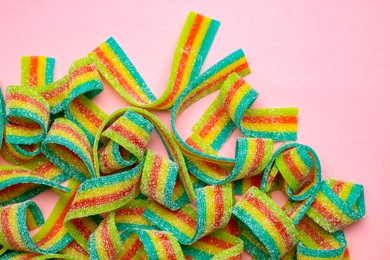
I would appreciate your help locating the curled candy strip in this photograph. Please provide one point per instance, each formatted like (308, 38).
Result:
(67, 146)
(214, 206)
(337, 205)
(192, 48)
(263, 219)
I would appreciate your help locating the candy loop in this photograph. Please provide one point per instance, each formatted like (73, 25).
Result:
(264, 220)
(337, 205)
(16, 221)
(152, 244)
(214, 207)
(171, 146)
(252, 156)
(68, 148)
(290, 169)
(83, 79)
(28, 115)
(316, 243)
(87, 115)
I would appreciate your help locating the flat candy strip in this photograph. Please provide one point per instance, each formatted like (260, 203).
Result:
(67, 146)
(214, 205)
(337, 205)
(37, 70)
(263, 218)
(192, 48)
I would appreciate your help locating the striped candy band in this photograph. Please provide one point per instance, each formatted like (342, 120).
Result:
(12, 178)
(132, 132)
(28, 115)
(265, 221)
(83, 79)
(56, 94)
(243, 185)
(41, 167)
(160, 181)
(169, 143)
(130, 216)
(150, 244)
(231, 109)
(100, 195)
(252, 156)
(16, 221)
(67, 146)
(213, 210)
(311, 187)
(217, 245)
(192, 48)
(105, 242)
(87, 115)
(294, 165)
(316, 243)
(37, 70)
(114, 157)
(337, 205)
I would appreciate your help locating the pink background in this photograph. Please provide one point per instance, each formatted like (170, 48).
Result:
(329, 58)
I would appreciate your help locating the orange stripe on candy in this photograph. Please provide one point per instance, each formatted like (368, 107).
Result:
(103, 199)
(315, 236)
(167, 245)
(212, 121)
(128, 135)
(95, 120)
(270, 119)
(32, 81)
(292, 167)
(219, 207)
(157, 162)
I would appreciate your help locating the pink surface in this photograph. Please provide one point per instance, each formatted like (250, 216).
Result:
(329, 58)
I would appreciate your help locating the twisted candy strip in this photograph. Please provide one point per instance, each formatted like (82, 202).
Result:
(214, 205)
(337, 205)
(67, 146)
(12, 178)
(106, 243)
(192, 48)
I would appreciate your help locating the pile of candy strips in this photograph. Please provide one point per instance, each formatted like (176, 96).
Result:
(124, 201)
